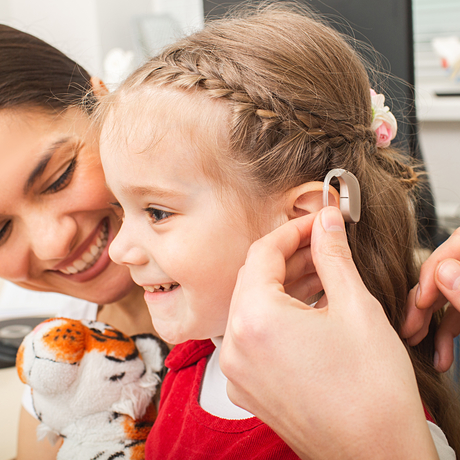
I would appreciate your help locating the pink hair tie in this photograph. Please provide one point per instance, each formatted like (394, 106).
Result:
(383, 121)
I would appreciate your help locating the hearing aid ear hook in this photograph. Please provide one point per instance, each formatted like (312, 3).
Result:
(350, 194)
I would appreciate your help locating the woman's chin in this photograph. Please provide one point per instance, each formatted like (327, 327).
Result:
(110, 287)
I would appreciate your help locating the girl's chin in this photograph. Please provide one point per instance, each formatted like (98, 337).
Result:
(168, 335)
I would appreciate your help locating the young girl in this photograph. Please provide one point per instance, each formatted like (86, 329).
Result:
(223, 137)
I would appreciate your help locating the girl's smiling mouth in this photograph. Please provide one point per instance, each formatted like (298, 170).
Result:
(167, 287)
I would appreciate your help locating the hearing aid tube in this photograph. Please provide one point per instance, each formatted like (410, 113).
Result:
(350, 194)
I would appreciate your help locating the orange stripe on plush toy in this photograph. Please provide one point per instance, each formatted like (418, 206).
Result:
(138, 430)
(71, 339)
(66, 340)
(20, 363)
(113, 343)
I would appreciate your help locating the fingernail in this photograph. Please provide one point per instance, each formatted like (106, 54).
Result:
(436, 359)
(332, 220)
(449, 274)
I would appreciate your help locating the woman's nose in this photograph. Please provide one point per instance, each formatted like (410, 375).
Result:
(52, 237)
(124, 250)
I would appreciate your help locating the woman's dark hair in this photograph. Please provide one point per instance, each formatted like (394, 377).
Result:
(35, 74)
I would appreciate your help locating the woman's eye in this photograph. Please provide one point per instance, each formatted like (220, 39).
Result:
(118, 210)
(157, 215)
(64, 179)
(4, 231)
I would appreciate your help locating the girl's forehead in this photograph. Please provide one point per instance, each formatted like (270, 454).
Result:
(142, 118)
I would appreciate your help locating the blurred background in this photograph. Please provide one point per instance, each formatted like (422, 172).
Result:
(419, 41)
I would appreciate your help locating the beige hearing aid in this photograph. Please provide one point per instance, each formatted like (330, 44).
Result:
(350, 194)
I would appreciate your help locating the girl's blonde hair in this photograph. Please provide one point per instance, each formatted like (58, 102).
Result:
(299, 103)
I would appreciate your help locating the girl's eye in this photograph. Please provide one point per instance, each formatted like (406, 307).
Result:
(157, 215)
(64, 180)
(4, 231)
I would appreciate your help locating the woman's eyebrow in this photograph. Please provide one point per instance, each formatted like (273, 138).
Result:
(41, 166)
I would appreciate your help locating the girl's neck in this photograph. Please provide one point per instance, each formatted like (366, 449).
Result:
(129, 314)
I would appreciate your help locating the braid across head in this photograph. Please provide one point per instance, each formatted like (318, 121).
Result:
(298, 94)
(272, 99)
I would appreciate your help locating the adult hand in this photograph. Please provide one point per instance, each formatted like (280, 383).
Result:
(333, 381)
(439, 283)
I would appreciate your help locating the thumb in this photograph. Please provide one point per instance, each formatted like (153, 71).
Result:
(332, 257)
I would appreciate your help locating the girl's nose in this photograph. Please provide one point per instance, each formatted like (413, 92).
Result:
(52, 237)
(124, 250)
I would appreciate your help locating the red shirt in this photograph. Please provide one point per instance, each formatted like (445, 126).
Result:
(184, 431)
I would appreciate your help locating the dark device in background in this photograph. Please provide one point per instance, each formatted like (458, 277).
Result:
(12, 331)
(387, 26)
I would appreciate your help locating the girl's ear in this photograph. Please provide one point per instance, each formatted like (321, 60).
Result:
(308, 198)
(98, 86)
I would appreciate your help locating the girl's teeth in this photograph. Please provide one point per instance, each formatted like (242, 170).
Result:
(161, 287)
(94, 249)
(72, 270)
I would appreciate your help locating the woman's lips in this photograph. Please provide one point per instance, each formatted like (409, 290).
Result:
(91, 255)
(91, 258)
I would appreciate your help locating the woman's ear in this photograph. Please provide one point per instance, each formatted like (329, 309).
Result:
(308, 198)
(98, 86)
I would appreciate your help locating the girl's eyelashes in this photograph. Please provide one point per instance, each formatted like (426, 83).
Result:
(4, 231)
(157, 215)
(64, 179)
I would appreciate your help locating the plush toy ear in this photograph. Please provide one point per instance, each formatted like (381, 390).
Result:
(153, 351)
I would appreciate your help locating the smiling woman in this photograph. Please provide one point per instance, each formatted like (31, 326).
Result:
(56, 218)
(56, 221)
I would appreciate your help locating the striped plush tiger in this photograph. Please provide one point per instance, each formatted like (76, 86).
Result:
(93, 386)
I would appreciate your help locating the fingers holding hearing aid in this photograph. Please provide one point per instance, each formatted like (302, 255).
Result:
(336, 350)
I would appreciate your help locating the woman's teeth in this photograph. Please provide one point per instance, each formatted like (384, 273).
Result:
(161, 287)
(91, 256)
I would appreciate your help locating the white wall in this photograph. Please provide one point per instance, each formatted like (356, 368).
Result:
(69, 25)
(440, 143)
(87, 29)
